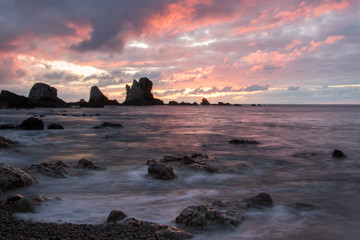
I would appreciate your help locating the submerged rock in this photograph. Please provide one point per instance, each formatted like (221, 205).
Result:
(11, 177)
(54, 170)
(242, 141)
(140, 93)
(338, 154)
(304, 207)
(116, 215)
(55, 126)
(109, 124)
(259, 201)
(32, 123)
(160, 170)
(5, 142)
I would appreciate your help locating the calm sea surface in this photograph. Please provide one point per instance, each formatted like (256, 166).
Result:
(293, 163)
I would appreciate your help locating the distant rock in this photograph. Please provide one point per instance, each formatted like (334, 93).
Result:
(160, 170)
(182, 103)
(11, 177)
(116, 215)
(5, 142)
(242, 141)
(224, 104)
(32, 123)
(45, 96)
(140, 93)
(8, 126)
(55, 126)
(204, 101)
(12, 100)
(338, 154)
(109, 124)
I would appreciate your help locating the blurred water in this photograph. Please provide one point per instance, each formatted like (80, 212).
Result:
(293, 163)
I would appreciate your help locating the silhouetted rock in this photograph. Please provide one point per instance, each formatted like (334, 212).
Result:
(173, 103)
(140, 93)
(242, 141)
(259, 201)
(11, 177)
(32, 123)
(97, 99)
(223, 104)
(116, 215)
(160, 170)
(12, 100)
(338, 154)
(55, 126)
(45, 96)
(5, 142)
(8, 126)
(204, 101)
(109, 124)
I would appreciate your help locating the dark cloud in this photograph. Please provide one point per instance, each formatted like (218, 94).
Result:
(293, 88)
(255, 87)
(170, 92)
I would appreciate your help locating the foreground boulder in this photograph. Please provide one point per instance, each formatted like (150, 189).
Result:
(45, 96)
(116, 215)
(19, 203)
(5, 142)
(140, 93)
(160, 170)
(11, 177)
(32, 123)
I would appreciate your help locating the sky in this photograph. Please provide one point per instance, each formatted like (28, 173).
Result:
(237, 51)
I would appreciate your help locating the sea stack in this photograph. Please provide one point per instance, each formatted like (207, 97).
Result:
(97, 99)
(45, 95)
(140, 93)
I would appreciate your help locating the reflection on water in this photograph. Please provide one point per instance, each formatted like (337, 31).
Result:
(292, 162)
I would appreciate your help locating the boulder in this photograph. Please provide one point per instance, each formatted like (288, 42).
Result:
(5, 142)
(338, 154)
(204, 101)
(27, 203)
(11, 177)
(116, 215)
(160, 170)
(45, 96)
(48, 169)
(259, 201)
(12, 100)
(55, 126)
(32, 123)
(175, 233)
(140, 93)
(242, 141)
(86, 164)
(197, 161)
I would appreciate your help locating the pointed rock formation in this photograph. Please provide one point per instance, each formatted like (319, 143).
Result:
(140, 93)
(97, 99)
(204, 101)
(45, 96)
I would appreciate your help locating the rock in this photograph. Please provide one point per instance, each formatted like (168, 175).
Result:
(173, 103)
(116, 215)
(109, 124)
(205, 217)
(11, 177)
(32, 123)
(86, 164)
(5, 142)
(48, 169)
(97, 99)
(160, 171)
(259, 201)
(12, 100)
(140, 93)
(241, 141)
(13, 198)
(28, 203)
(338, 154)
(304, 207)
(8, 126)
(197, 161)
(204, 101)
(55, 126)
(224, 104)
(175, 233)
(45, 96)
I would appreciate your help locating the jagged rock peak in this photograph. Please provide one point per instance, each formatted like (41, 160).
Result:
(40, 90)
(140, 93)
(96, 95)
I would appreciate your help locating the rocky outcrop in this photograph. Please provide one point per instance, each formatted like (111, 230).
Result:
(140, 93)
(32, 123)
(338, 154)
(204, 101)
(116, 215)
(12, 100)
(175, 233)
(259, 201)
(19, 203)
(11, 177)
(45, 96)
(97, 99)
(55, 126)
(48, 169)
(160, 170)
(5, 142)
(242, 141)
(86, 164)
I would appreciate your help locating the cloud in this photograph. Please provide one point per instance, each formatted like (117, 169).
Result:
(256, 87)
(293, 88)
(11, 70)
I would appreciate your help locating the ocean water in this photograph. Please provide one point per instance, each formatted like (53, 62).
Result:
(293, 163)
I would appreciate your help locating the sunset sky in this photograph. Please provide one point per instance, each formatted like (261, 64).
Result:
(225, 50)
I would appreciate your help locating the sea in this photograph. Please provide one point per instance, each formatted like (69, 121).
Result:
(293, 163)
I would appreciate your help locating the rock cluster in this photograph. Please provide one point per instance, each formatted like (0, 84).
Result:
(48, 169)
(11, 177)
(140, 93)
(160, 170)
(196, 161)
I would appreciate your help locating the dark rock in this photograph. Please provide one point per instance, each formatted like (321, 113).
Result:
(140, 93)
(304, 207)
(48, 169)
(55, 126)
(45, 96)
(259, 201)
(11, 177)
(116, 215)
(197, 161)
(8, 126)
(204, 101)
(160, 170)
(224, 104)
(12, 100)
(242, 141)
(338, 154)
(86, 164)
(173, 103)
(5, 142)
(97, 97)
(13, 198)
(32, 123)
(29, 203)
(175, 233)
(109, 124)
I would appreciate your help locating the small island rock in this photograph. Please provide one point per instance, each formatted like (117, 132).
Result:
(32, 123)
(140, 93)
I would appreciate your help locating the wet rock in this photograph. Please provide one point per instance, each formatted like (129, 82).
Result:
(13, 198)
(206, 217)
(116, 215)
(338, 154)
(5, 142)
(55, 126)
(45, 96)
(32, 123)
(140, 93)
(109, 124)
(204, 101)
(242, 141)
(86, 164)
(48, 169)
(259, 201)
(197, 161)
(8, 126)
(175, 233)
(160, 170)
(11, 177)
(28, 203)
